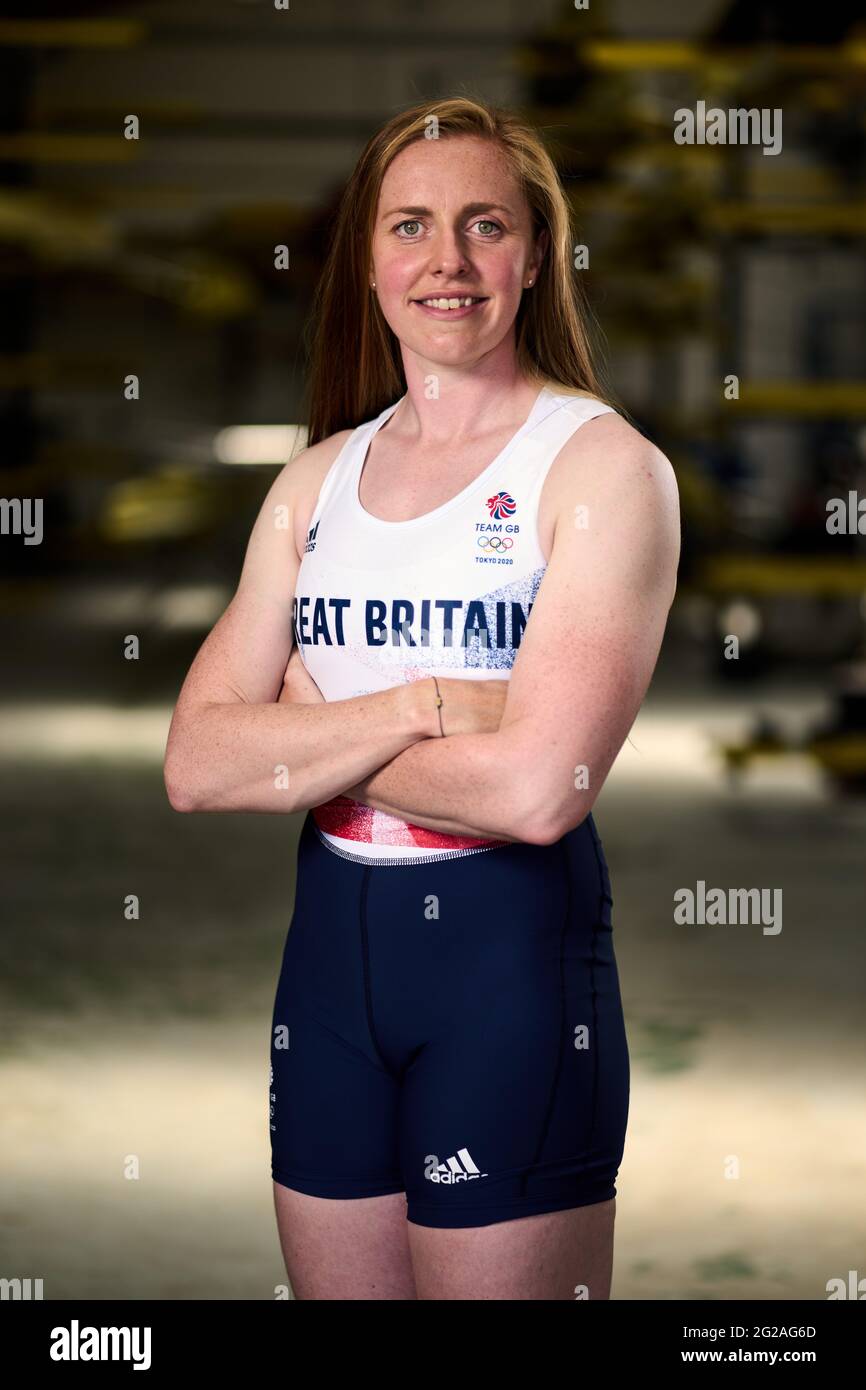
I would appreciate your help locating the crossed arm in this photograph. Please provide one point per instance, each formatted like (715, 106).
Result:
(583, 667)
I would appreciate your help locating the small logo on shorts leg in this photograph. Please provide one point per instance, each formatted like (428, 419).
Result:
(457, 1169)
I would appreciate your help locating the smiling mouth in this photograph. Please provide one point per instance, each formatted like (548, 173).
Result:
(451, 301)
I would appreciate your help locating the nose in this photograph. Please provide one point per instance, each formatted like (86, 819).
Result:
(447, 254)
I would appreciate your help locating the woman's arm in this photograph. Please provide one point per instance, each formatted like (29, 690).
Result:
(466, 770)
(584, 664)
(231, 745)
(299, 687)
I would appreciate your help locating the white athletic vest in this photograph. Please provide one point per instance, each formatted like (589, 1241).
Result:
(448, 593)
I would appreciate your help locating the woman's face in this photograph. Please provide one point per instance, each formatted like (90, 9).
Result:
(452, 223)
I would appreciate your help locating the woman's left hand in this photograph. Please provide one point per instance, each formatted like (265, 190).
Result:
(298, 685)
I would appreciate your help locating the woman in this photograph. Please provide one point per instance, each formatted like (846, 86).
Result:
(475, 557)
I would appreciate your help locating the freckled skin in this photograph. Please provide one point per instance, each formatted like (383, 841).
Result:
(490, 254)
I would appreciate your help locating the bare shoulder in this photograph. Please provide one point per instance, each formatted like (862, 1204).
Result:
(608, 459)
(300, 481)
(614, 506)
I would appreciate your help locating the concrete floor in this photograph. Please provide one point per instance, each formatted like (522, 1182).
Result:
(150, 1038)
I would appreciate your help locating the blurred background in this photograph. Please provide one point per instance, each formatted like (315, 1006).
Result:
(152, 370)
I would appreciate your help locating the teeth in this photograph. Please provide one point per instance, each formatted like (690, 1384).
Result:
(448, 303)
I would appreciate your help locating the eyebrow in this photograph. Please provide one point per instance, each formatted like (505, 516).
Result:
(467, 209)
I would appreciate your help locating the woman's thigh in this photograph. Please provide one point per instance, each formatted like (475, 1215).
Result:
(557, 1255)
(351, 1249)
(505, 1015)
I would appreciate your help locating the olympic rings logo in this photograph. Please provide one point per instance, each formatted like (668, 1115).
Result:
(495, 542)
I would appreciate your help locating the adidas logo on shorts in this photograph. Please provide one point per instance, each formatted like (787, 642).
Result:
(457, 1169)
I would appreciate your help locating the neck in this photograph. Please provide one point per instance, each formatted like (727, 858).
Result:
(469, 404)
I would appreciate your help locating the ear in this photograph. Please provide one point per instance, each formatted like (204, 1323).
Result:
(542, 242)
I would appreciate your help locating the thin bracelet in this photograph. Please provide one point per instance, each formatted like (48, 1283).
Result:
(439, 705)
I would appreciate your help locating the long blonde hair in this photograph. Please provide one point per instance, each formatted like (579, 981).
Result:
(356, 369)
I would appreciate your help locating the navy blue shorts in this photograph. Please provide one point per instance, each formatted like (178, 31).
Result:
(452, 1031)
